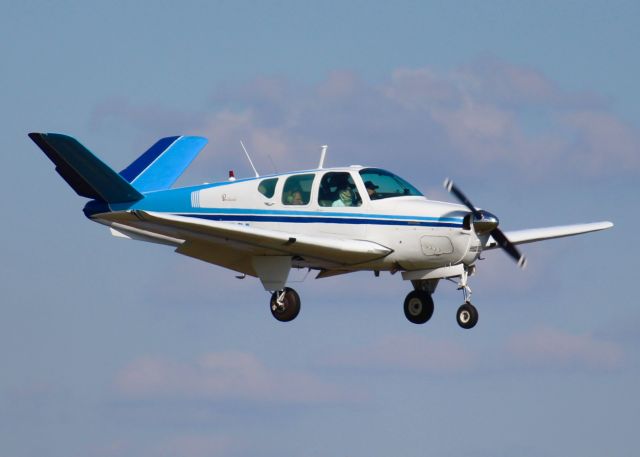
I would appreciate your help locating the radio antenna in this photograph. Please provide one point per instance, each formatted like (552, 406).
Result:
(249, 158)
(323, 152)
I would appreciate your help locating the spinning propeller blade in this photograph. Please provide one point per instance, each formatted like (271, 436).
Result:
(509, 247)
(486, 217)
(451, 187)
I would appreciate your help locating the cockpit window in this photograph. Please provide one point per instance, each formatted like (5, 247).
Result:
(337, 189)
(382, 184)
(267, 187)
(297, 190)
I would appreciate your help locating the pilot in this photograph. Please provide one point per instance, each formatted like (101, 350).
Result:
(371, 190)
(345, 197)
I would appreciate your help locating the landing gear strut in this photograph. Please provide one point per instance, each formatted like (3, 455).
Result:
(467, 314)
(285, 304)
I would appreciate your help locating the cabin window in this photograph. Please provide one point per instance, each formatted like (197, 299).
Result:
(267, 187)
(382, 184)
(338, 190)
(297, 190)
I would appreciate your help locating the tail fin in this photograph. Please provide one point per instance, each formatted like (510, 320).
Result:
(84, 172)
(163, 163)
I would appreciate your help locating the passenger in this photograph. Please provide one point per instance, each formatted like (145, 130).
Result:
(345, 198)
(371, 190)
(296, 198)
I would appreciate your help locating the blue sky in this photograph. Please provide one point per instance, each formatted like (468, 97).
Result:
(115, 348)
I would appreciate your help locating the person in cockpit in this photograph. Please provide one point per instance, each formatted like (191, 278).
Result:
(296, 198)
(371, 190)
(345, 197)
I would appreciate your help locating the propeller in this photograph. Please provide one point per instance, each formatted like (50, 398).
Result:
(485, 222)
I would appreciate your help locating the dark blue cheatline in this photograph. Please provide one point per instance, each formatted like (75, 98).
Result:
(318, 219)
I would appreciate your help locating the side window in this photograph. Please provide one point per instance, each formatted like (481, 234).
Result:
(267, 187)
(338, 190)
(297, 190)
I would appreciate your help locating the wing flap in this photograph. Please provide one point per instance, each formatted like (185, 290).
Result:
(547, 233)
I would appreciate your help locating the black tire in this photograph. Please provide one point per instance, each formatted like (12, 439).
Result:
(418, 306)
(467, 316)
(291, 307)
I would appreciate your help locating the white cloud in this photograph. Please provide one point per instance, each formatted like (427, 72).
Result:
(551, 348)
(538, 349)
(223, 376)
(488, 113)
(601, 141)
(493, 116)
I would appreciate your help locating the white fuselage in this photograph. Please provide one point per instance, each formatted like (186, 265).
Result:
(422, 234)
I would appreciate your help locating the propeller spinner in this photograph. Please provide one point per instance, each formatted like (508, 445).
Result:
(485, 222)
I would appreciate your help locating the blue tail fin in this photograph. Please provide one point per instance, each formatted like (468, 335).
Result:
(163, 163)
(84, 172)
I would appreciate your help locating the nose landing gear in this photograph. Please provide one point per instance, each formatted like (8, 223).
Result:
(467, 314)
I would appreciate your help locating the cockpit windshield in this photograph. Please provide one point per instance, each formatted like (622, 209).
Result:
(383, 184)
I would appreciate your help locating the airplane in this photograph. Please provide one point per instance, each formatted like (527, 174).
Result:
(331, 220)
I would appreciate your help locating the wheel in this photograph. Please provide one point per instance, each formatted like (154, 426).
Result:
(467, 316)
(418, 306)
(290, 307)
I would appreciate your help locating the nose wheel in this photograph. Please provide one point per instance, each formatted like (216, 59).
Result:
(285, 304)
(467, 316)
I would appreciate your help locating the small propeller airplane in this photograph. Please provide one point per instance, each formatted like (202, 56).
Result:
(332, 220)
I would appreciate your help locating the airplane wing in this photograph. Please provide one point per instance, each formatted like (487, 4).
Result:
(217, 241)
(547, 233)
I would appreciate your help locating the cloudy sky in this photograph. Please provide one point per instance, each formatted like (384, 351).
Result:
(113, 348)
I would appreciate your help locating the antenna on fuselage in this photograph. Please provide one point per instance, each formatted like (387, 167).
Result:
(323, 153)
(249, 158)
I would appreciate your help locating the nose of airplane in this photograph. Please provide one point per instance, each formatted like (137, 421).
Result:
(486, 223)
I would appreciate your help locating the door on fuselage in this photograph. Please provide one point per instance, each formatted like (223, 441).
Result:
(339, 199)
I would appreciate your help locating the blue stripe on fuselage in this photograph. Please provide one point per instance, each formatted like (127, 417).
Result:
(435, 222)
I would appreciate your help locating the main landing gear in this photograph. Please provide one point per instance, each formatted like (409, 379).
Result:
(285, 304)
(418, 305)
